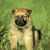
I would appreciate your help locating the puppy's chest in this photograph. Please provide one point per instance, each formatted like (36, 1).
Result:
(22, 34)
(18, 35)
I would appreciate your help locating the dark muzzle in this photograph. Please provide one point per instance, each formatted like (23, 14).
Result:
(20, 22)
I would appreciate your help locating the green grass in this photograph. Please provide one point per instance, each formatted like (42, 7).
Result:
(40, 17)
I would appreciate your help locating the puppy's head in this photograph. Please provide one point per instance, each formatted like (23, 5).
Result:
(21, 17)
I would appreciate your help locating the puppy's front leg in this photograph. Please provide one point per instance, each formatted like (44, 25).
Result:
(29, 43)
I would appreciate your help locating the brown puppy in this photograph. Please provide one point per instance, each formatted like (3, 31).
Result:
(21, 33)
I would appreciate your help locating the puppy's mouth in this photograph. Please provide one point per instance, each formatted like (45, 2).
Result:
(20, 22)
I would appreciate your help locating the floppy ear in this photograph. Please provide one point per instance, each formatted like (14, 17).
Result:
(29, 11)
(13, 11)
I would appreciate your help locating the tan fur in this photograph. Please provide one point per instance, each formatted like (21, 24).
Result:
(15, 35)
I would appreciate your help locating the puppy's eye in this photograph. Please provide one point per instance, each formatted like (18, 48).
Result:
(27, 15)
(23, 16)
(16, 16)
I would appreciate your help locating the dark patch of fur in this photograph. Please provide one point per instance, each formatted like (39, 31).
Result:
(20, 29)
(39, 32)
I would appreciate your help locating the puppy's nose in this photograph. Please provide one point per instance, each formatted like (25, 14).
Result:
(20, 21)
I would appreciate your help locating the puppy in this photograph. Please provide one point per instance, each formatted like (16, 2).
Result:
(22, 33)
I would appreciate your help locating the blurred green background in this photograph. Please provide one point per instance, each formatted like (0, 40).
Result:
(40, 16)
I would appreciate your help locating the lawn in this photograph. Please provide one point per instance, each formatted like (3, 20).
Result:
(40, 17)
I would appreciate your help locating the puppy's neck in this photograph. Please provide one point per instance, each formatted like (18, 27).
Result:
(28, 27)
(22, 29)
